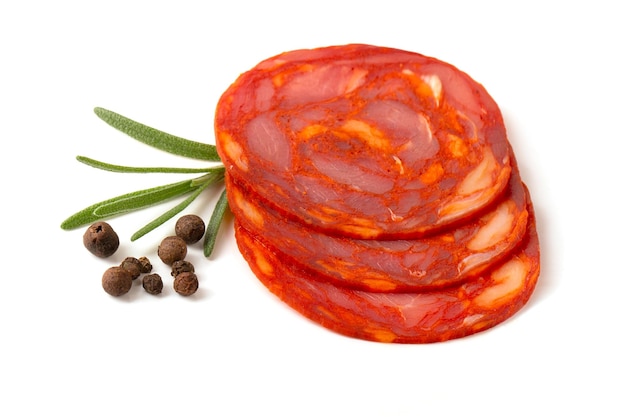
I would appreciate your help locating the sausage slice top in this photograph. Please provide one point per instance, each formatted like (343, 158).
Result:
(364, 141)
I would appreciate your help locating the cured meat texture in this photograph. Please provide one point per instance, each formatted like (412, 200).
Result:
(375, 192)
(364, 141)
(391, 266)
(420, 317)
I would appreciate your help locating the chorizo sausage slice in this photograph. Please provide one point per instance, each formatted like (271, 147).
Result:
(390, 266)
(420, 317)
(364, 141)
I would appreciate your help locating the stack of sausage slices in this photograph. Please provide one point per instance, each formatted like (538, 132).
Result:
(375, 191)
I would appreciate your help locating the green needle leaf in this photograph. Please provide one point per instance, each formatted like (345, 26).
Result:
(158, 139)
(214, 224)
(125, 203)
(215, 175)
(126, 169)
(143, 199)
(168, 214)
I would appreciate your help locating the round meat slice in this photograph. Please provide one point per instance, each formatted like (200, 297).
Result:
(364, 141)
(420, 317)
(390, 265)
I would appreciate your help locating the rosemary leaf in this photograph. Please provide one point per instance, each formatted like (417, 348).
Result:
(131, 201)
(215, 175)
(142, 170)
(168, 214)
(143, 199)
(158, 139)
(214, 224)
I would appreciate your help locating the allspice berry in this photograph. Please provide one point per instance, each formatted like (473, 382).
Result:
(101, 240)
(172, 249)
(182, 266)
(132, 265)
(190, 228)
(117, 281)
(186, 283)
(146, 266)
(153, 284)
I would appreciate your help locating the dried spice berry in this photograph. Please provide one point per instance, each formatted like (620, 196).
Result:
(117, 281)
(153, 284)
(186, 283)
(190, 228)
(172, 249)
(182, 266)
(146, 266)
(101, 240)
(132, 265)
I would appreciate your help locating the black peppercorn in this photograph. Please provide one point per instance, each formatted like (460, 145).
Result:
(117, 281)
(190, 228)
(182, 266)
(172, 249)
(132, 265)
(152, 283)
(101, 240)
(186, 283)
(146, 266)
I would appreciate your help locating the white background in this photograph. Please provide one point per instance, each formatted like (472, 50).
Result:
(67, 348)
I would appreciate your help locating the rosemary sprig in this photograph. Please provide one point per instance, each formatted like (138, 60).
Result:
(141, 170)
(214, 224)
(126, 203)
(168, 214)
(145, 199)
(158, 139)
(137, 200)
